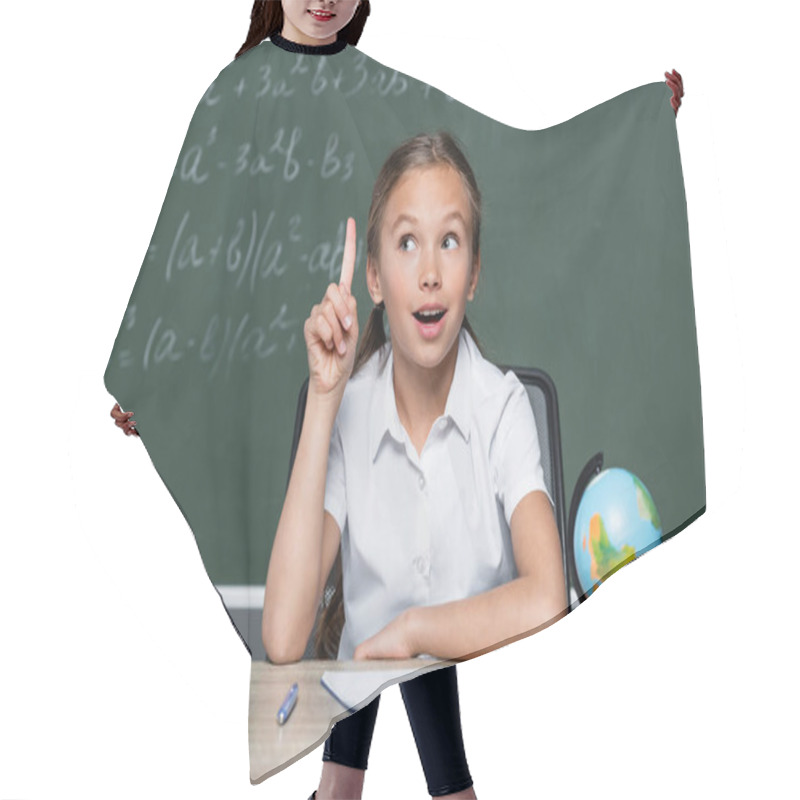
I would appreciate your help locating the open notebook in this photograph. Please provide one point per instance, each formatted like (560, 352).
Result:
(351, 688)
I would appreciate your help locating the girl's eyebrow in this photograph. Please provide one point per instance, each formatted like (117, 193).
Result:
(412, 219)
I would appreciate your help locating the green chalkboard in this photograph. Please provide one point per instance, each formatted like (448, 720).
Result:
(585, 274)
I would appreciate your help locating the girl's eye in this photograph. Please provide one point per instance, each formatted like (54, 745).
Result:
(407, 242)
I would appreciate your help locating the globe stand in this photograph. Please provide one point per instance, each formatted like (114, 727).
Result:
(575, 595)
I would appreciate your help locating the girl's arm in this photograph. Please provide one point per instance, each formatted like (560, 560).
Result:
(306, 541)
(468, 627)
(307, 537)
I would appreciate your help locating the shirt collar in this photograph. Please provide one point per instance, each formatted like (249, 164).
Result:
(383, 409)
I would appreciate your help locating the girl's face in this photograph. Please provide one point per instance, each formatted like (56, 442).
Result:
(426, 263)
(315, 22)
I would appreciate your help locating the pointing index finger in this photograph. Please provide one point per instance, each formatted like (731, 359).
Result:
(349, 255)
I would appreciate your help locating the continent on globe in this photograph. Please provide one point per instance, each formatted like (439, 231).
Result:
(647, 508)
(604, 556)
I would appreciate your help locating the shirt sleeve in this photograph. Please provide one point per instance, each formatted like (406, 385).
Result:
(516, 454)
(335, 493)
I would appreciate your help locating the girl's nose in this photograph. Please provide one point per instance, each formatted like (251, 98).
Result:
(430, 275)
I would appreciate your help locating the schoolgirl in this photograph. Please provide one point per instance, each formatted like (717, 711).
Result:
(404, 466)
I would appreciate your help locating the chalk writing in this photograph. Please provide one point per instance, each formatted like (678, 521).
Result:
(209, 98)
(291, 166)
(125, 359)
(318, 75)
(190, 165)
(275, 89)
(195, 164)
(223, 342)
(252, 252)
(332, 163)
(253, 165)
(130, 317)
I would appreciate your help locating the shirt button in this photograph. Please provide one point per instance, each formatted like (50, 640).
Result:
(421, 481)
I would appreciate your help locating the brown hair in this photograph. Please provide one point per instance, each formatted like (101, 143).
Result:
(421, 151)
(266, 19)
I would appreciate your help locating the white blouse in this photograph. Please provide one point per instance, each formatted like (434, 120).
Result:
(425, 529)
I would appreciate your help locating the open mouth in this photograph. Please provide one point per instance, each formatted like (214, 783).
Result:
(429, 317)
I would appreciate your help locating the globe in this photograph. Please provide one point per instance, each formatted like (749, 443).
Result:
(616, 521)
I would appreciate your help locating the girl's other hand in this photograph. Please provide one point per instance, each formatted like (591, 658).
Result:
(393, 641)
(123, 419)
(331, 331)
(675, 82)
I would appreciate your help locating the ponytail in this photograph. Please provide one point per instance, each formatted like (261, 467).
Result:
(372, 339)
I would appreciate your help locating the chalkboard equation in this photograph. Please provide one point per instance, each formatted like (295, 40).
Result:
(254, 252)
(220, 343)
(281, 158)
(246, 215)
(315, 75)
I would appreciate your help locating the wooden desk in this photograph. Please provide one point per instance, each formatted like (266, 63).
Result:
(274, 747)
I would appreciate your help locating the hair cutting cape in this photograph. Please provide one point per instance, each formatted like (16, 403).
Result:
(585, 277)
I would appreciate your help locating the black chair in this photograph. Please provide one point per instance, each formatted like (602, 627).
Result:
(590, 469)
(544, 402)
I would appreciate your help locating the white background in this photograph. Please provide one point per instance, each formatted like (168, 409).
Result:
(120, 675)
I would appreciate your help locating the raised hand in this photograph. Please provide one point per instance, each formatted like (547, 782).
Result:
(123, 419)
(675, 82)
(331, 330)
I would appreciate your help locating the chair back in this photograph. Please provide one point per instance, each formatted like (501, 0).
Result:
(544, 402)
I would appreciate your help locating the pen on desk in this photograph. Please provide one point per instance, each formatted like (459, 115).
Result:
(287, 706)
